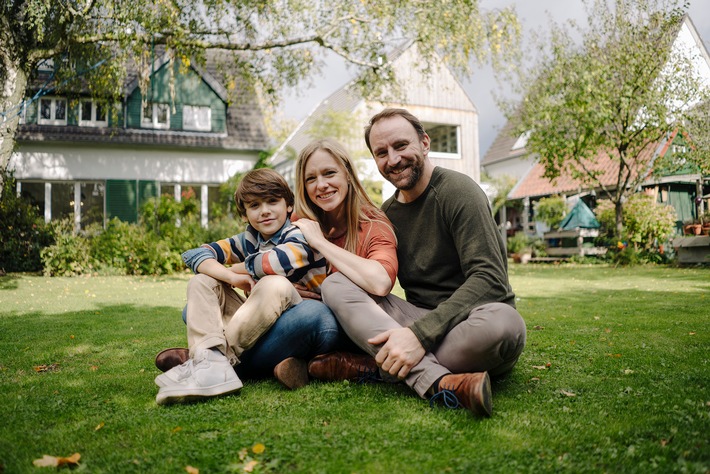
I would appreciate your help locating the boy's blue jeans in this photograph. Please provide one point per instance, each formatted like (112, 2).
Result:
(302, 331)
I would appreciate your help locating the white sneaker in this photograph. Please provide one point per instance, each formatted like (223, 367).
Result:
(210, 375)
(174, 375)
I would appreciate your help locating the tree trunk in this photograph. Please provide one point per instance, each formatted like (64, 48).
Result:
(12, 92)
(619, 208)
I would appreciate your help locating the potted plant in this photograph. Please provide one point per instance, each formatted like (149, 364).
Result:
(519, 247)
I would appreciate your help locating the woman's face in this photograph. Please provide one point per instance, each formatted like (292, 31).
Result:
(326, 181)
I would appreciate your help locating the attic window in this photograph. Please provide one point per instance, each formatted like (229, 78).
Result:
(93, 114)
(444, 141)
(52, 111)
(156, 115)
(521, 141)
(197, 118)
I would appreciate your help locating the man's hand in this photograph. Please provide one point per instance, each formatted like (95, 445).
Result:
(400, 352)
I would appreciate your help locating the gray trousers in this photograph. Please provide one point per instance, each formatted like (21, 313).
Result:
(491, 339)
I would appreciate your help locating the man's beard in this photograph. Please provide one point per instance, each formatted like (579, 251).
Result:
(416, 173)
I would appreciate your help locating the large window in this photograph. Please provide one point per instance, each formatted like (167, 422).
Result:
(156, 115)
(196, 118)
(93, 114)
(444, 141)
(52, 111)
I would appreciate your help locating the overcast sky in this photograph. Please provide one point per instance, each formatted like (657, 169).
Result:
(481, 86)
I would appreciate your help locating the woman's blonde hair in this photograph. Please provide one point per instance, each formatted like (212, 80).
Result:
(359, 207)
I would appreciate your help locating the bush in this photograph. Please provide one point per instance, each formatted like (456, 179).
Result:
(648, 226)
(518, 242)
(23, 232)
(551, 211)
(69, 255)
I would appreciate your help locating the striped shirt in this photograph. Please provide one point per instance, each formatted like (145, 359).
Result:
(286, 253)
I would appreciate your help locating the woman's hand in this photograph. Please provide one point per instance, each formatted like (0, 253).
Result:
(311, 231)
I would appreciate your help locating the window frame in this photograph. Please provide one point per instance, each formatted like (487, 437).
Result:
(153, 123)
(92, 122)
(442, 154)
(196, 127)
(53, 111)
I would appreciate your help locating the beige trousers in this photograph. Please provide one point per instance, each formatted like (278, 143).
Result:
(217, 316)
(491, 339)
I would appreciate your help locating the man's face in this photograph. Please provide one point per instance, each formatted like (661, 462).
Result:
(398, 151)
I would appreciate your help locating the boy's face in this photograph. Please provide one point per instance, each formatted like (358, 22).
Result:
(267, 215)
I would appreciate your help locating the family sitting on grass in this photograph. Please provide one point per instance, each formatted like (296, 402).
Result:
(319, 303)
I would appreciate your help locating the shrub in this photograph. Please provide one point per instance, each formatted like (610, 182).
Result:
(518, 242)
(551, 211)
(648, 226)
(23, 232)
(69, 255)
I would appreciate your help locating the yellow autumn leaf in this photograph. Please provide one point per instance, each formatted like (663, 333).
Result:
(258, 448)
(249, 467)
(99, 426)
(192, 470)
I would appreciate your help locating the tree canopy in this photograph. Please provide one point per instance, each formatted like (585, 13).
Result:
(271, 44)
(614, 89)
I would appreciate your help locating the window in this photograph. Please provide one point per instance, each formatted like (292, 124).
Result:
(196, 118)
(156, 115)
(93, 114)
(52, 111)
(521, 141)
(444, 141)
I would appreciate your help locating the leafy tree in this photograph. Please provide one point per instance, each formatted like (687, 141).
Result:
(267, 44)
(618, 91)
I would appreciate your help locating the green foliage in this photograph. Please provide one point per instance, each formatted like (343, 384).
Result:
(518, 242)
(616, 94)
(503, 184)
(151, 247)
(551, 210)
(69, 255)
(648, 226)
(23, 232)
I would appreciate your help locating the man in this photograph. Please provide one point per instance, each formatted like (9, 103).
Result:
(459, 323)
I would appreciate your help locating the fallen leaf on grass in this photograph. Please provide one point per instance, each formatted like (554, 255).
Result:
(249, 467)
(99, 426)
(539, 328)
(52, 461)
(691, 334)
(192, 470)
(568, 394)
(614, 355)
(46, 368)
(258, 448)
(539, 367)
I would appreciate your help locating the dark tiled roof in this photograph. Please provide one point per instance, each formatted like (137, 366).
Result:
(502, 147)
(245, 123)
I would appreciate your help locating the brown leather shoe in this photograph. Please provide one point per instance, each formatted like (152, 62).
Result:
(472, 391)
(292, 373)
(337, 366)
(169, 358)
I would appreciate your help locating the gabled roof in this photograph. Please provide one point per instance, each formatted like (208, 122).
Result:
(244, 121)
(503, 148)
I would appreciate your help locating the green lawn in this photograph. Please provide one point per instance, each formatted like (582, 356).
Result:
(615, 378)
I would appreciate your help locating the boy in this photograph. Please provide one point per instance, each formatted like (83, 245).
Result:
(265, 261)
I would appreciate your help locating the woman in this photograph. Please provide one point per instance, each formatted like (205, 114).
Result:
(341, 222)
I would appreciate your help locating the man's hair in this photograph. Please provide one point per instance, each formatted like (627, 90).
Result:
(262, 183)
(392, 112)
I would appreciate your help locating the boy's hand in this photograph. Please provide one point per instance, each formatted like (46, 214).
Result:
(243, 282)
(306, 293)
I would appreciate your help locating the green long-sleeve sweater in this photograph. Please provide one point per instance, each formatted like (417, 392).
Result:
(451, 255)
